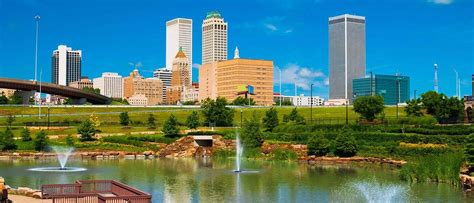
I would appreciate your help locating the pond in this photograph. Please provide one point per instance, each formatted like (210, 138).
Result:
(207, 180)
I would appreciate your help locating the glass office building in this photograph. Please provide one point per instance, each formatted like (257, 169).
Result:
(392, 88)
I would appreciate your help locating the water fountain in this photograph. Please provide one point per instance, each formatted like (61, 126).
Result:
(238, 153)
(62, 154)
(372, 191)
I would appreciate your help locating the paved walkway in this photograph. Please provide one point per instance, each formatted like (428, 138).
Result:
(24, 199)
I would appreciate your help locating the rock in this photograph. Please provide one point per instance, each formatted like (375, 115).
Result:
(37, 195)
(148, 153)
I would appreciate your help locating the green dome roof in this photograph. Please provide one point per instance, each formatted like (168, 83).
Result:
(213, 14)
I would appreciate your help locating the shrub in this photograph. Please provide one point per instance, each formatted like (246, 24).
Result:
(284, 155)
(368, 106)
(270, 121)
(413, 108)
(345, 145)
(251, 135)
(222, 153)
(216, 112)
(318, 145)
(70, 140)
(7, 141)
(151, 122)
(87, 131)
(41, 141)
(469, 149)
(124, 119)
(193, 120)
(170, 128)
(25, 135)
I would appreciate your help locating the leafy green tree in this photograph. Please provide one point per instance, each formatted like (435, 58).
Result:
(124, 119)
(86, 130)
(67, 101)
(7, 141)
(252, 136)
(170, 128)
(368, 107)
(3, 99)
(193, 120)
(151, 122)
(10, 120)
(450, 110)
(91, 90)
(25, 135)
(41, 141)
(318, 145)
(345, 145)
(469, 149)
(470, 114)
(431, 101)
(294, 117)
(413, 108)
(215, 111)
(15, 99)
(241, 101)
(270, 120)
(189, 103)
(70, 140)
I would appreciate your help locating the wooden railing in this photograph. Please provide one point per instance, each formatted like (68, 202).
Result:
(94, 191)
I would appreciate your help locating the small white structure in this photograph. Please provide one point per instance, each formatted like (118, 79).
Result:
(110, 85)
(138, 100)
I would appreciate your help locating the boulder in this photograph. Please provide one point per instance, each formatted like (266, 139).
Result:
(2, 183)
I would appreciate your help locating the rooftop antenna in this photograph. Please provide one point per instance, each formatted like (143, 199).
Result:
(436, 77)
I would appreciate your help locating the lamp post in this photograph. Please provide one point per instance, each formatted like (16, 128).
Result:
(279, 70)
(241, 118)
(311, 101)
(347, 112)
(37, 18)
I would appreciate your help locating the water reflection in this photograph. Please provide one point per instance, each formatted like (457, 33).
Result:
(206, 180)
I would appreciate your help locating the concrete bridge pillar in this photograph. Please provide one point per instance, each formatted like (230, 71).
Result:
(25, 95)
(79, 101)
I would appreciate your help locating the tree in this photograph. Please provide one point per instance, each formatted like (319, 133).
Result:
(270, 120)
(318, 145)
(3, 99)
(95, 120)
(91, 90)
(124, 119)
(7, 141)
(170, 128)
(413, 108)
(10, 120)
(86, 130)
(241, 101)
(450, 110)
(251, 134)
(431, 101)
(25, 135)
(345, 145)
(193, 120)
(215, 111)
(189, 103)
(469, 149)
(15, 99)
(283, 103)
(41, 141)
(294, 117)
(70, 140)
(470, 114)
(151, 122)
(368, 106)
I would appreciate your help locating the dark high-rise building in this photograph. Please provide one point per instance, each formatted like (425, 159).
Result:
(346, 54)
(66, 65)
(393, 88)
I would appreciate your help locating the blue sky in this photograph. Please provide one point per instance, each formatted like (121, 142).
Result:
(405, 36)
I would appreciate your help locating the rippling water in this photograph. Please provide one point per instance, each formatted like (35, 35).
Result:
(205, 180)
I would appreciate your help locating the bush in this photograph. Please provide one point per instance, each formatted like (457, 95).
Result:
(251, 135)
(41, 141)
(270, 121)
(170, 128)
(70, 140)
(7, 141)
(318, 145)
(193, 120)
(345, 145)
(87, 131)
(284, 155)
(469, 149)
(124, 119)
(151, 122)
(413, 108)
(216, 112)
(368, 106)
(25, 135)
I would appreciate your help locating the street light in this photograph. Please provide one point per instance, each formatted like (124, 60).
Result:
(311, 109)
(37, 18)
(241, 118)
(279, 70)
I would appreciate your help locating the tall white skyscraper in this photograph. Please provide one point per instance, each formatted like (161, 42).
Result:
(110, 85)
(179, 34)
(214, 38)
(346, 54)
(65, 65)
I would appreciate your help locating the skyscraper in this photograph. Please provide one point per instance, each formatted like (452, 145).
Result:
(346, 54)
(214, 38)
(180, 79)
(110, 85)
(66, 65)
(179, 33)
(165, 76)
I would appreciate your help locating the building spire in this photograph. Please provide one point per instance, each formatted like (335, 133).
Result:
(236, 53)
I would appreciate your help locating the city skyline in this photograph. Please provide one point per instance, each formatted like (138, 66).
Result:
(259, 36)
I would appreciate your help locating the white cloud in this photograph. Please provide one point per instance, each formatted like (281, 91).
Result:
(196, 65)
(271, 27)
(302, 76)
(443, 2)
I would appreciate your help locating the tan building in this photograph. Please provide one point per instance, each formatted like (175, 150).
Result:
(221, 79)
(180, 78)
(80, 84)
(151, 88)
(7, 92)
